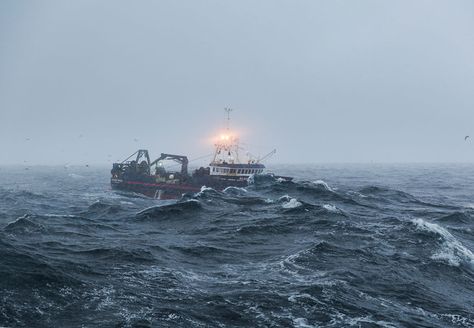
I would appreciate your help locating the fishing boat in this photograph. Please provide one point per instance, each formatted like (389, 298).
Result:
(138, 173)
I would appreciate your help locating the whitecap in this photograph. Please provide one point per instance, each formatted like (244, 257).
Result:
(284, 198)
(302, 323)
(452, 251)
(203, 190)
(232, 188)
(324, 184)
(251, 179)
(331, 208)
(292, 203)
(457, 319)
(172, 316)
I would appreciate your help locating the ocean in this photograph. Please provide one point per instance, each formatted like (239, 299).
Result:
(374, 245)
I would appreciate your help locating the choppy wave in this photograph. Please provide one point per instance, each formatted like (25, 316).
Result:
(170, 211)
(451, 251)
(24, 225)
(336, 251)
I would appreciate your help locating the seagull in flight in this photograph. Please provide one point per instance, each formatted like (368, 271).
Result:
(465, 138)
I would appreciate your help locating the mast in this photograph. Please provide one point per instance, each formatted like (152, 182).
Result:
(227, 147)
(228, 110)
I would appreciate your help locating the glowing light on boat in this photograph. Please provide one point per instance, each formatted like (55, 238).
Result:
(225, 138)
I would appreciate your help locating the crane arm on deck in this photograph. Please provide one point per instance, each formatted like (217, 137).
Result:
(270, 154)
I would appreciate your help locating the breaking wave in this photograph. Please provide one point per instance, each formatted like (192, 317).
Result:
(451, 250)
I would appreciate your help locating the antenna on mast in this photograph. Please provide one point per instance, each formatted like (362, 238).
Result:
(228, 110)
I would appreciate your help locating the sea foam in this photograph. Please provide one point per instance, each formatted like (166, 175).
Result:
(452, 251)
(324, 184)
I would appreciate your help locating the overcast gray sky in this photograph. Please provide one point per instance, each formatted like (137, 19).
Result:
(321, 81)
